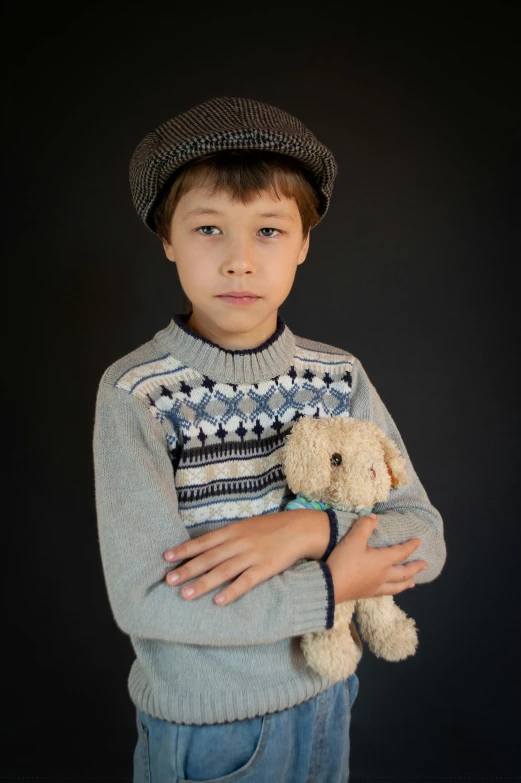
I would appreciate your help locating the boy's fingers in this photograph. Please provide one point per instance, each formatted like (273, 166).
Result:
(406, 571)
(241, 585)
(194, 546)
(199, 565)
(402, 551)
(214, 578)
(392, 588)
(195, 567)
(365, 525)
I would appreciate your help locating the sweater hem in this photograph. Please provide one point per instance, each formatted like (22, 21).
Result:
(193, 708)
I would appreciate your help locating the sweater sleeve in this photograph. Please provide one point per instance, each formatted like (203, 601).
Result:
(407, 513)
(138, 520)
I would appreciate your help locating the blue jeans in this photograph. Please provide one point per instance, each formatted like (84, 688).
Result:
(308, 743)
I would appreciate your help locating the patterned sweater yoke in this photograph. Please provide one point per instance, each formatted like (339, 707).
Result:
(186, 439)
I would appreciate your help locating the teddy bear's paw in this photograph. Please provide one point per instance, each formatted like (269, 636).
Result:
(396, 642)
(335, 658)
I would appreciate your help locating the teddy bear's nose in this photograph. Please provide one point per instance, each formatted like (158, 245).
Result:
(336, 458)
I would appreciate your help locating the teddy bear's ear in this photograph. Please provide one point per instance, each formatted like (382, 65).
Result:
(395, 462)
(306, 457)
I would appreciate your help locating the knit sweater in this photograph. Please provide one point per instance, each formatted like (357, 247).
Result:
(186, 440)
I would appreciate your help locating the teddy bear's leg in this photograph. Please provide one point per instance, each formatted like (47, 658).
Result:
(389, 633)
(333, 653)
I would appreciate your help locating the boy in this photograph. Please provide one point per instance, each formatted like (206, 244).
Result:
(188, 481)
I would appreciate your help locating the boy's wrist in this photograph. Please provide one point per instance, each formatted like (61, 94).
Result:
(320, 532)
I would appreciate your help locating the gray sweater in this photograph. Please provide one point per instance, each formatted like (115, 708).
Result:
(186, 439)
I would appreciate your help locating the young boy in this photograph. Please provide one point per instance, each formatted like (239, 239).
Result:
(188, 482)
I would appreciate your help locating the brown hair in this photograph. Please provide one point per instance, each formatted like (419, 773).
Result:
(243, 174)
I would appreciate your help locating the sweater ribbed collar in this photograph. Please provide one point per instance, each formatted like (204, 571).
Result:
(268, 360)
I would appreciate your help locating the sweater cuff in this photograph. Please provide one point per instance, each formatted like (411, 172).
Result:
(330, 617)
(313, 604)
(333, 532)
(345, 521)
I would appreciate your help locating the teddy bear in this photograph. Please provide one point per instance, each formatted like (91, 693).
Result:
(351, 464)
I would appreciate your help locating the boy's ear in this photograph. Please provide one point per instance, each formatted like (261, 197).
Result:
(167, 247)
(304, 249)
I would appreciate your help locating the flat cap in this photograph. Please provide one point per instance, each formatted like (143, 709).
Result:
(221, 124)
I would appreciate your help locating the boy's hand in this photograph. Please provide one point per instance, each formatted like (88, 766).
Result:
(257, 548)
(361, 571)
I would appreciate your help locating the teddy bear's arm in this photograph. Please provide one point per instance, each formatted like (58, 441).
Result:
(408, 512)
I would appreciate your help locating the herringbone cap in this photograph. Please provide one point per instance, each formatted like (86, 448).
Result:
(220, 124)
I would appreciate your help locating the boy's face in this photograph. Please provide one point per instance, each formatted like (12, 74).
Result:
(230, 246)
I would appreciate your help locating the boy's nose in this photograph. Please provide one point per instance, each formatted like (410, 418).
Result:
(237, 269)
(240, 261)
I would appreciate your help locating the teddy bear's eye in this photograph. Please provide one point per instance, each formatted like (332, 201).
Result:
(336, 458)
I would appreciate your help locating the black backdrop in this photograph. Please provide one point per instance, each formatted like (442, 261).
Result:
(412, 270)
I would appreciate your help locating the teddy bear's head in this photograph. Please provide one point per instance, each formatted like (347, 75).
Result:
(340, 460)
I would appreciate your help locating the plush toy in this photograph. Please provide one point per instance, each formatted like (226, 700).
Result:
(348, 463)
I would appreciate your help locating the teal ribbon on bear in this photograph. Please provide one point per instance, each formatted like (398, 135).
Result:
(301, 501)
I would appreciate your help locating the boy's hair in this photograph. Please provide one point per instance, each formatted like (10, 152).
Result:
(243, 174)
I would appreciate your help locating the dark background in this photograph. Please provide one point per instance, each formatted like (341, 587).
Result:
(412, 270)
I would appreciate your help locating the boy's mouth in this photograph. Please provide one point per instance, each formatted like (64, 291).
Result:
(239, 297)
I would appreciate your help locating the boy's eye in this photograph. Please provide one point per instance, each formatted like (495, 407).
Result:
(271, 229)
(204, 233)
(209, 234)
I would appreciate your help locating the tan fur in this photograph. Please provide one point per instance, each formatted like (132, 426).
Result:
(371, 466)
